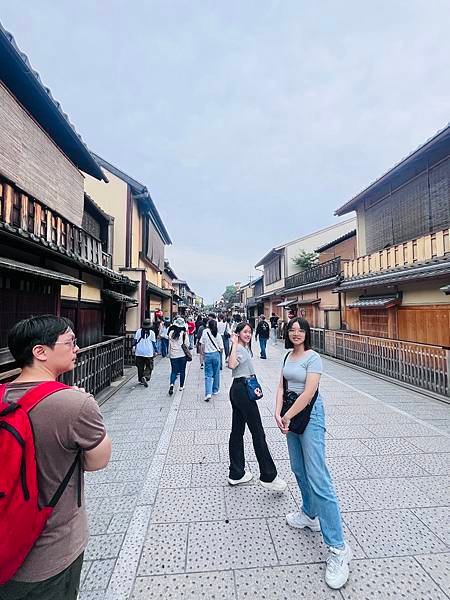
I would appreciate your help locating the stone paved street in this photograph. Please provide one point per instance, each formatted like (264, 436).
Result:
(165, 524)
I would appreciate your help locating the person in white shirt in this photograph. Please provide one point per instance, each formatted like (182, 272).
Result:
(178, 337)
(212, 347)
(144, 344)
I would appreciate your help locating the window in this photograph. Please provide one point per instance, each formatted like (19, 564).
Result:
(152, 244)
(272, 272)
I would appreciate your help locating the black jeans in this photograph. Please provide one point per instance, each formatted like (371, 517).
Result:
(63, 586)
(246, 411)
(144, 366)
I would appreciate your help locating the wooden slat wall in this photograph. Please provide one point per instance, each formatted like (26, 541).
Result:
(35, 164)
(425, 324)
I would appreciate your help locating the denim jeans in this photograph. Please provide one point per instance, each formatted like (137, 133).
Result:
(164, 347)
(246, 411)
(262, 346)
(191, 341)
(226, 345)
(212, 372)
(307, 456)
(178, 368)
(273, 334)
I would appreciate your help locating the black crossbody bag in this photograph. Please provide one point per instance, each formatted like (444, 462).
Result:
(300, 422)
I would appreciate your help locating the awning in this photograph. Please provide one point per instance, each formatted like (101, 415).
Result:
(34, 271)
(305, 302)
(375, 301)
(118, 297)
(287, 302)
(157, 291)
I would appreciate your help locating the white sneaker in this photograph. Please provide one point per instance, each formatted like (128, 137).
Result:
(277, 485)
(338, 570)
(244, 479)
(181, 389)
(208, 398)
(300, 520)
(216, 393)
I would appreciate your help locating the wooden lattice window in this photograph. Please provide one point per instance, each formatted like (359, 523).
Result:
(79, 243)
(15, 212)
(63, 234)
(30, 215)
(54, 231)
(43, 228)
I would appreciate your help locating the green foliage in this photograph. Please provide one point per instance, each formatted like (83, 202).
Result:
(230, 295)
(306, 260)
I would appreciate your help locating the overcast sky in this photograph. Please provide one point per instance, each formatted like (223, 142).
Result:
(250, 121)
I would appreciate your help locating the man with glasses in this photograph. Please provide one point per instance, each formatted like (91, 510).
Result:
(64, 423)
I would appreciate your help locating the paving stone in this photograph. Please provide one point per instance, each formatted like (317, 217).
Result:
(202, 586)
(434, 464)
(229, 544)
(217, 436)
(193, 454)
(176, 475)
(390, 466)
(211, 474)
(98, 522)
(164, 549)
(125, 504)
(188, 504)
(349, 497)
(346, 467)
(119, 522)
(91, 595)
(390, 578)
(431, 444)
(399, 532)
(99, 575)
(400, 430)
(438, 567)
(347, 448)
(84, 570)
(390, 446)
(392, 493)
(437, 519)
(349, 431)
(103, 546)
(283, 468)
(284, 583)
(255, 501)
(436, 488)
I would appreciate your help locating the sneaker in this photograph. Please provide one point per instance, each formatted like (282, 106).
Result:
(300, 520)
(144, 382)
(337, 571)
(277, 485)
(208, 398)
(181, 389)
(171, 389)
(244, 479)
(216, 393)
(201, 366)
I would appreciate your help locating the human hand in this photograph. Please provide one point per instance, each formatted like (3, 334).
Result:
(234, 338)
(286, 422)
(279, 421)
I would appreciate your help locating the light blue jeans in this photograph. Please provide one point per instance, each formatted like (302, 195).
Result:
(307, 456)
(212, 373)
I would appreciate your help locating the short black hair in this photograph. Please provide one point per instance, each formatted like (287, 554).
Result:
(303, 323)
(28, 333)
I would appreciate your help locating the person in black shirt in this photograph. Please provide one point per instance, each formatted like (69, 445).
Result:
(263, 332)
(274, 327)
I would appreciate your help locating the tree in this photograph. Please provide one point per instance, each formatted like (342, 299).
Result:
(306, 260)
(230, 296)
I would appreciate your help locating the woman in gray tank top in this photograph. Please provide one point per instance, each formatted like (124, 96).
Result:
(320, 510)
(246, 412)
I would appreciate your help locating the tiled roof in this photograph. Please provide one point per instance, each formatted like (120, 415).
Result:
(375, 301)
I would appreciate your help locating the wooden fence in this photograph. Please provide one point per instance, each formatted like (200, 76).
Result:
(421, 365)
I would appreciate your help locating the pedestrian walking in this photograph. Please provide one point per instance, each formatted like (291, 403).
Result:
(226, 337)
(299, 391)
(64, 435)
(164, 337)
(199, 334)
(212, 348)
(144, 344)
(191, 332)
(246, 412)
(262, 332)
(274, 327)
(178, 338)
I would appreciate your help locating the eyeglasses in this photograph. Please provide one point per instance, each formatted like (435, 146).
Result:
(298, 331)
(72, 342)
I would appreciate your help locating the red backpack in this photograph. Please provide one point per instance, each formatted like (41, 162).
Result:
(21, 518)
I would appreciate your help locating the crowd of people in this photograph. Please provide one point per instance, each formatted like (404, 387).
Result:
(42, 559)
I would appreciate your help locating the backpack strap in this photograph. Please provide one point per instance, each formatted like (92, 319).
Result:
(30, 399)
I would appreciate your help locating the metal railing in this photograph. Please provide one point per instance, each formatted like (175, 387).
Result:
(98, 366)
(421, 365)
(325, 270)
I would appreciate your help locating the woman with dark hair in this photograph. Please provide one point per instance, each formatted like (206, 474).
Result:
(177, 337)
(144, 345)
(320, 509)
(246, 412)
(212, 348)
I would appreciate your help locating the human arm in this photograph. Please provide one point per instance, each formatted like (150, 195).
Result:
(279, 404)
(232, 357)
(98, 457)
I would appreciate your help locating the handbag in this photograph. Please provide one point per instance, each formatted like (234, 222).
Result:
(254, 390)
(187, 352)
(300, 422)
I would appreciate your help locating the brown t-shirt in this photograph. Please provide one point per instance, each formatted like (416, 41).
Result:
(62, 423)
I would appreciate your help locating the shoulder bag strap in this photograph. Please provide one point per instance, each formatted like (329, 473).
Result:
(213, 342)
(30, 399)
(284, 379)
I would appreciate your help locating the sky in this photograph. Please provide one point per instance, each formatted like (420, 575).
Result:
(250, 121)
